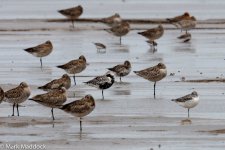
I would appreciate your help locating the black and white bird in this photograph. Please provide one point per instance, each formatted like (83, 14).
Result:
(188, 101)
(102, 82)
(121, 70)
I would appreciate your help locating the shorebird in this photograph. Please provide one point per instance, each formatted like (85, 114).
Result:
(174, 21)
(121, 70)
(112, 20)
(102, 82)
(72, 13)
(187, 24)
(52, 99)
(2, 95)
(100, 46)
(120, 30)
(74, 66)
(80, 108)
(41, 50)
(153, 34)
(188, 101)
(17, 95)
(154, 74)
(64, 81)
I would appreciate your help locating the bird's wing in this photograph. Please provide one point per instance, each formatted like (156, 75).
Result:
(99, 80)
(14, 93)
(77, 106)
(52, 97)
(184, 98)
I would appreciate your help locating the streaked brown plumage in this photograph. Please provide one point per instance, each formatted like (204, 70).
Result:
(120, 30)
(74, 66)
(64, 81)
(121, 70)
(72, 13)
(112, 20)
(52, 99)
(80, 108)
(2, 95)
(187, 24)
(41, 50)
(153, 34)
(154, 74)
(17, 95)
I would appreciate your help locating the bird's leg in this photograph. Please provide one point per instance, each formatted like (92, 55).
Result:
(17, 106)
(154, 89)
(102, 95)
(41, 61)
(53, 118)
(188, 112)
(80, 124)
(72, 23)
(120, 79)
(74, 79)
(13, 109)
(120, 40)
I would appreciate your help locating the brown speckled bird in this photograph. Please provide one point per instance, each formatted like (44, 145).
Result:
(121, 70)
(120, 30)
(64, 81)
(187, 24)
(72, 13)
(17, 95)
(74, 66)
(52, 99)
(41, 50)
(80, 108)
(154, 74)
(153, 34)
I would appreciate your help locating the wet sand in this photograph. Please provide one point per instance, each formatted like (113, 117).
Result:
(129, 117)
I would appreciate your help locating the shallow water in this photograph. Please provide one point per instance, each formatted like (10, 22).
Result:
(202, 9)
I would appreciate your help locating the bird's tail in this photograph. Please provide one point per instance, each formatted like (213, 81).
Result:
(136, 72)
(169, 20)
(41, 87)
(60, 66)
(29, 50)
(61, 11)
(111, 69)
